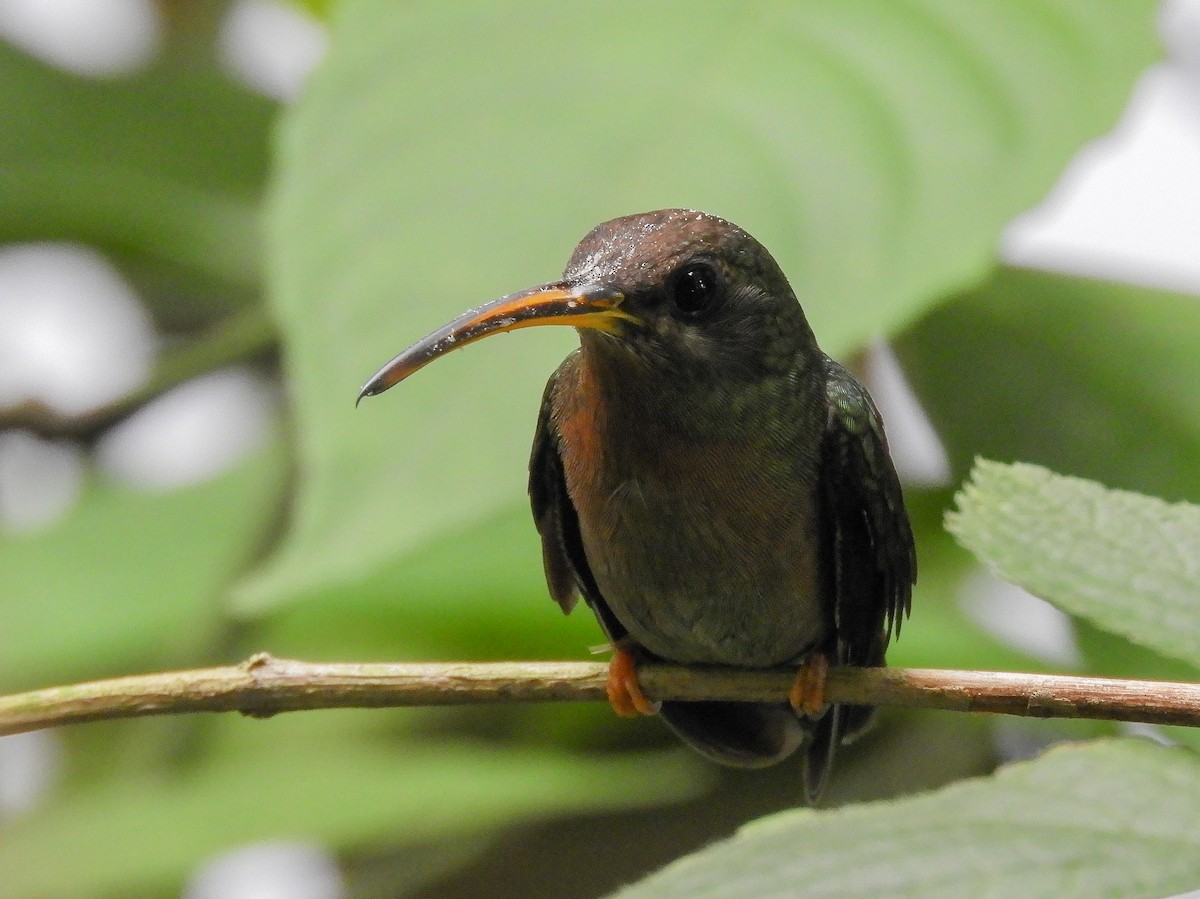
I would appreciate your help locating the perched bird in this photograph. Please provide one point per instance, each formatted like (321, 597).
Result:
(717, 489)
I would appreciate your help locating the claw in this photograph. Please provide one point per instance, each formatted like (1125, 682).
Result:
(624, 691)
(807, 695)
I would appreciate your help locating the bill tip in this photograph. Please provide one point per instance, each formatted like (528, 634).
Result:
(367, 390)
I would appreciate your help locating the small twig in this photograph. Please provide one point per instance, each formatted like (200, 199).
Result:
(244, 335)
(263, 685)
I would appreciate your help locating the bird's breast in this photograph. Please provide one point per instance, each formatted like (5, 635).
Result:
(707, 549)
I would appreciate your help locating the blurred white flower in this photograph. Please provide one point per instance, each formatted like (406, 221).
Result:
(94, 38)
(72, 334)
(271, 46)
(191, 433)
(40, 480)
(1128, 206)
(269, 871)
(29, 766)
(1020, 619)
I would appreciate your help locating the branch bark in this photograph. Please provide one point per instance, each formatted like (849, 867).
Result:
(262, 686)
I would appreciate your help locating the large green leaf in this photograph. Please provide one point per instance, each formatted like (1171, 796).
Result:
(1086, 377)
(1114, 818)
(480, 594)
(940, 633)
(131, 580)
(443, 156)
(166, 166)
(331, 778)
(1128, 562)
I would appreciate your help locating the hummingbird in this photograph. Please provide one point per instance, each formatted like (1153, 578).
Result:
(716, 488)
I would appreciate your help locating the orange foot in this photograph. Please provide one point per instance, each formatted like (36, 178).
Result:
(624, 691)
(808, 692)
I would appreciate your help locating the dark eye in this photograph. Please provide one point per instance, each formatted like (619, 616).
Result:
(695, 287)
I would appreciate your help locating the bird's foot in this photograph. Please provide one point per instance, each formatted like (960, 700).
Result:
(807, 695)
(624, 691)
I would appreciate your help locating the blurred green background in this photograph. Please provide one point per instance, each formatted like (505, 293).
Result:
(281, 241)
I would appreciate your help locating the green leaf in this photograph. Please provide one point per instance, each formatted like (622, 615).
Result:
(876, 148)
(940, 633)
(1113, 818)
(1109, 654)
(491, 577)
(1128, 562)
(330, 778)
(130, 580)
(169, 163)
(318, 8)
(1086, 377)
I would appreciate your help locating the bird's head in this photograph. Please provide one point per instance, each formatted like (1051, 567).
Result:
(680, 292)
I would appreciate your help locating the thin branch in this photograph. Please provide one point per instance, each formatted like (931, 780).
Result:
(262, 686)
(243, 335)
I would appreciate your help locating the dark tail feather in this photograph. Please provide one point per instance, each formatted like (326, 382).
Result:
(825, 736)
(757, 734)
(740, 734)
(856, 721)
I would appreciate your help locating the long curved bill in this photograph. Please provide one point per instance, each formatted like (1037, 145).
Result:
(581, 306)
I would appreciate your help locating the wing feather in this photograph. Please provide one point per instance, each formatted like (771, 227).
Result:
(874, 558)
